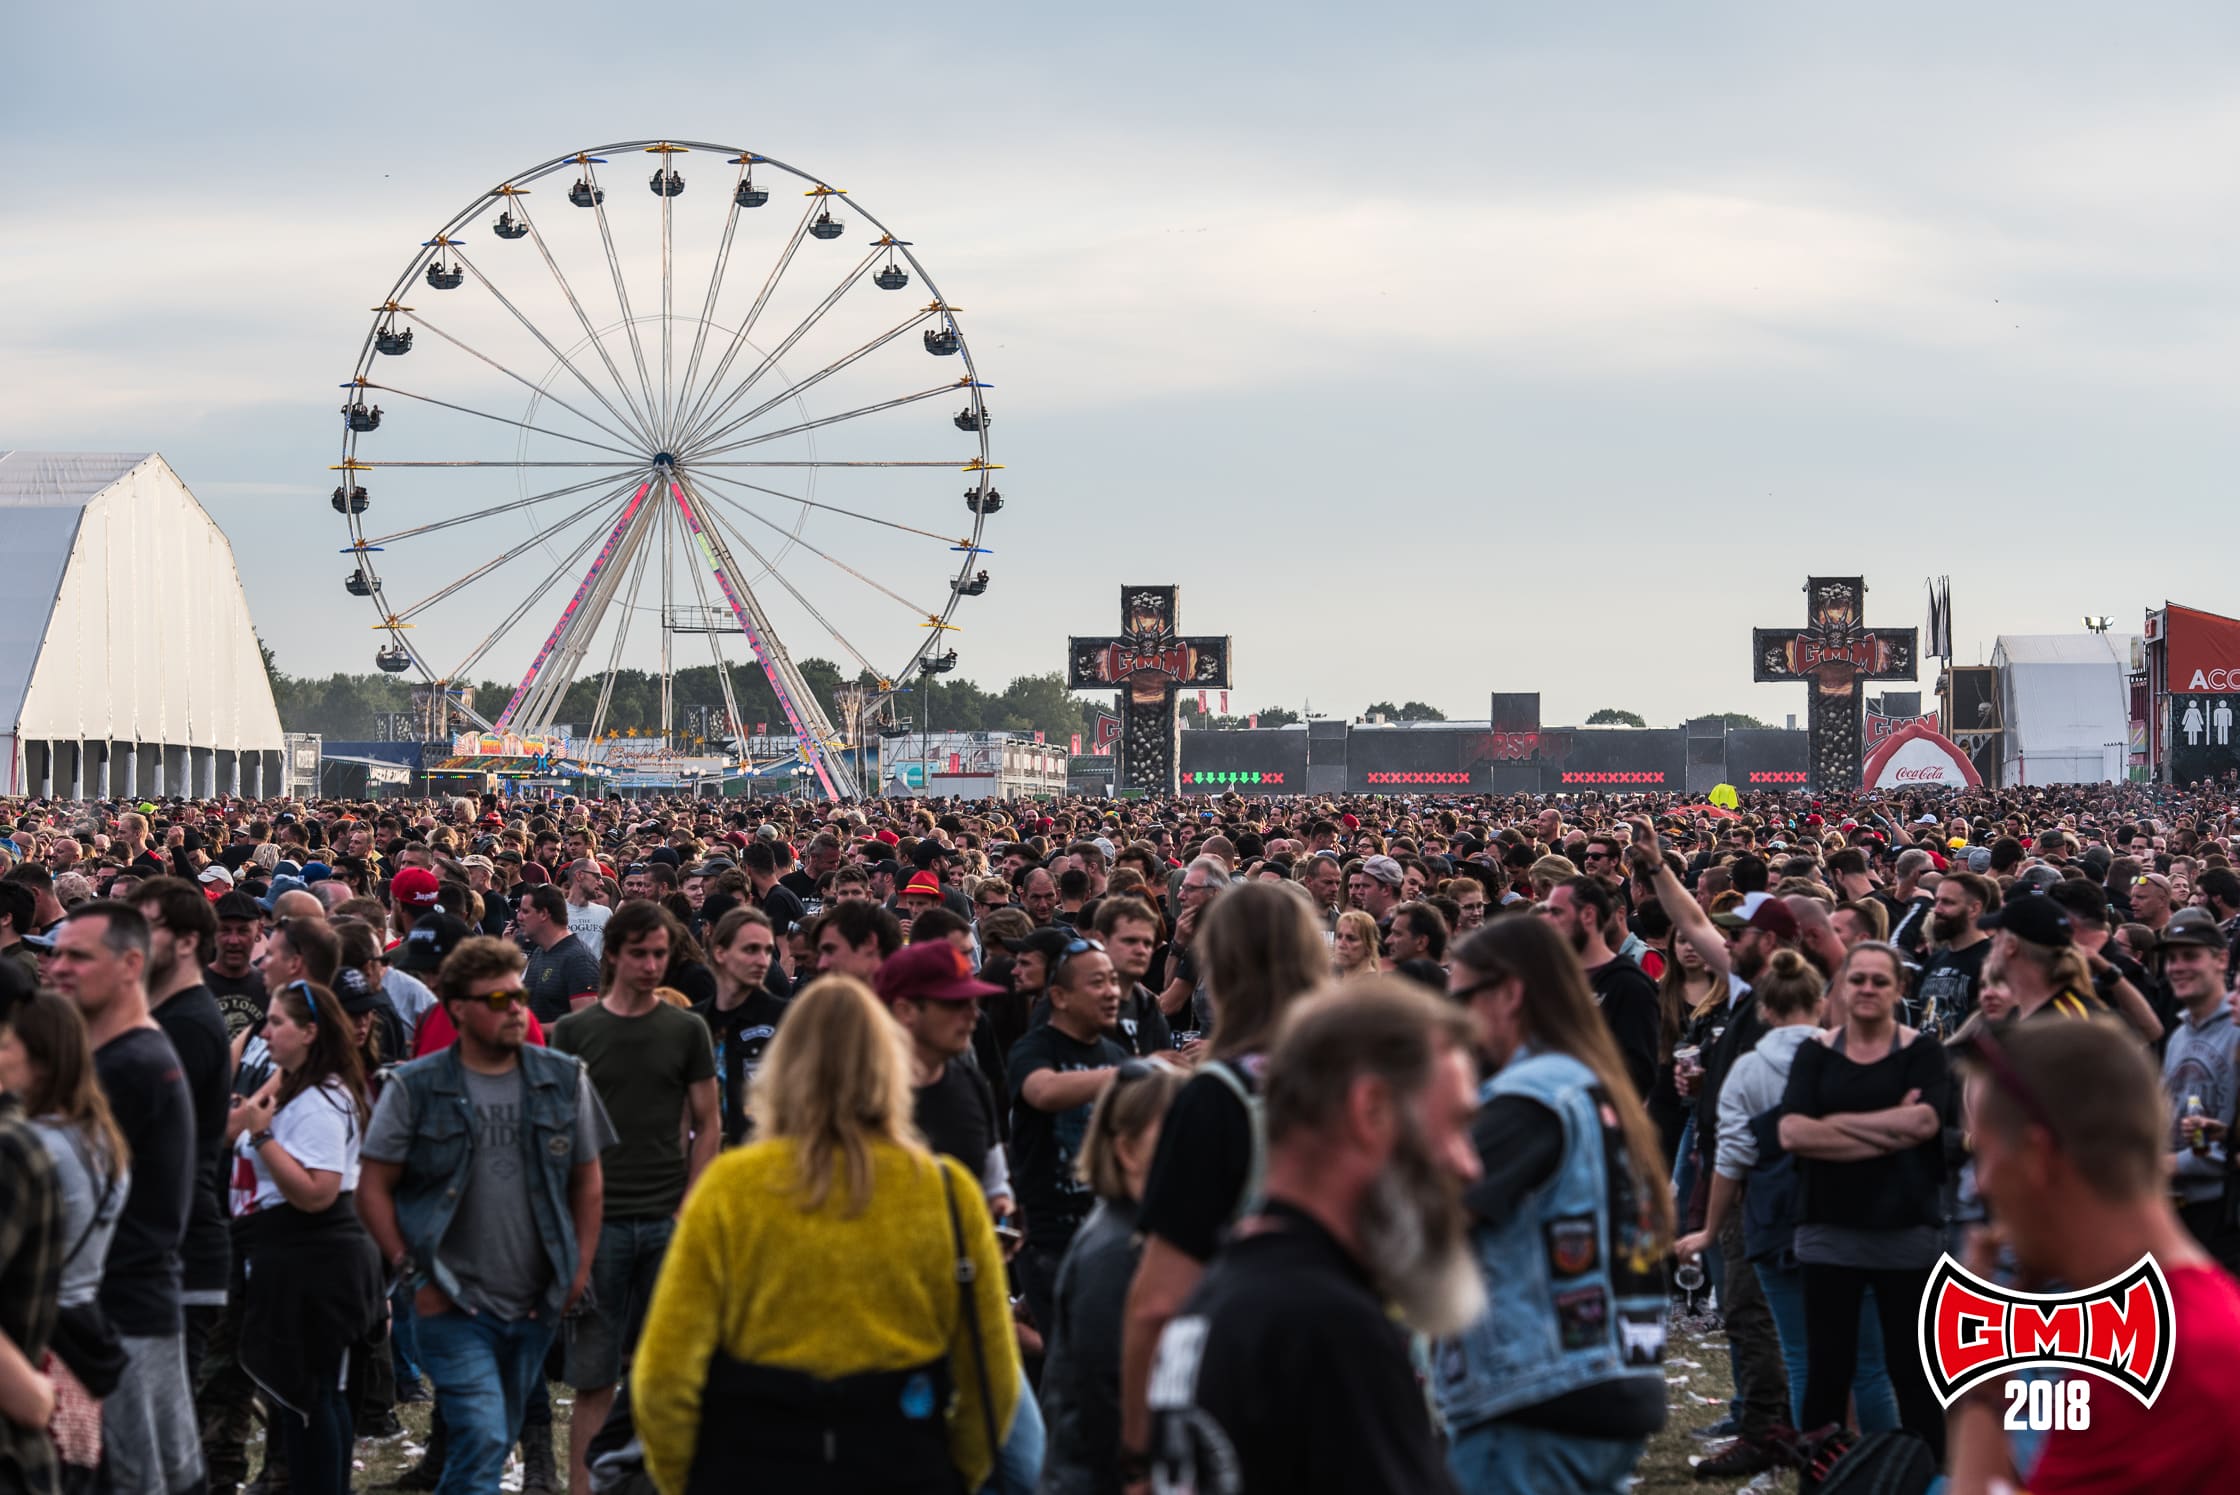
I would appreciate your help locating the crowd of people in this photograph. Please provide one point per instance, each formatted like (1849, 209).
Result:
(1099, 1147)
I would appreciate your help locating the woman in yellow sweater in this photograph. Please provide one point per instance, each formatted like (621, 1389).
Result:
(812, 1329)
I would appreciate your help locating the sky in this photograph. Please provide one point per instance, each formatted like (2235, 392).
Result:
(1467, 349)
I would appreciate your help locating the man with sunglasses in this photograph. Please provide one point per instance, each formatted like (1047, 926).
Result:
(1057, 1071)
(494, 1227)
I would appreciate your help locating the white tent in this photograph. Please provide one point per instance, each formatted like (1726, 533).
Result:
(2066, 703)
(128, 665)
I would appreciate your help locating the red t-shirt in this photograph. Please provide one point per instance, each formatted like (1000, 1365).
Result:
(2189, 1440)
(437, 1033)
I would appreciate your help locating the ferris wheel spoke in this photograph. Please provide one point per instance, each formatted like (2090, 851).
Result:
(527, 383)
(599, 446)
(826, 556)
(833, 420)
(715, 647)
(770, 359)
(636, 419)
(504, 508)
(622, 298)
(495, 462)
(754, 314)
(718, 523)
(834, 367)
(803, 462)
(621, 633)
(668, 340)
(534, 540)
(810, 503)
(538, 593)
(708, 302)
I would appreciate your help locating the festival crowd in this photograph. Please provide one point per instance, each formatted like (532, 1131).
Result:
(1197, 1146)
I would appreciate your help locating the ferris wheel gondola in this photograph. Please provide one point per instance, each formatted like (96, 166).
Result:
(756, 468)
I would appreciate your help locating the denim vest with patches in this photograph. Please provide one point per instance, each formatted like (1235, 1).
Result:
(1575, 1290)
(439, 1161)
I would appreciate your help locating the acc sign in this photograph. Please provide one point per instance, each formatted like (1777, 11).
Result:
(1972, 1330)
(2216, 680)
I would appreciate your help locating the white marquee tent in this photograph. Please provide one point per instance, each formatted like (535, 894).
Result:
(2066, 702)
(128, 666)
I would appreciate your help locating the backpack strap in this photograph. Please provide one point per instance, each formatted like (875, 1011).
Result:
(1256, 1177)
(965, 1273)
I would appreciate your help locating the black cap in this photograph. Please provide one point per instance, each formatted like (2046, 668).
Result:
(2193, 926)
(2032, 917)
(432, 938)
(1048, 943)
(354, 992)
(929, 851)
(238, 905)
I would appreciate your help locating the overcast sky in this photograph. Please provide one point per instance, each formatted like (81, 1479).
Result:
(1474, 348)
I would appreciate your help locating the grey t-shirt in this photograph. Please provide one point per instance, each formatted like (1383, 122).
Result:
(492, 1246)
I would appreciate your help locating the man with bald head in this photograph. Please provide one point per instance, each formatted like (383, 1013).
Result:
(298, 903)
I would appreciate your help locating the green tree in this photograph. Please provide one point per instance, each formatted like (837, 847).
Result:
(1417, 711)
(1735, 719)
(1612, 716)
(1277, 716)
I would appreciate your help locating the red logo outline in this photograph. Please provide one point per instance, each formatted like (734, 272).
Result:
(1967, 1330)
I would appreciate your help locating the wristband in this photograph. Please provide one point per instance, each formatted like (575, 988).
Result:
(258, 1139)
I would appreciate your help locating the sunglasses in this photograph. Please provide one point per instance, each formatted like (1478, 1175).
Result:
(1077, 947)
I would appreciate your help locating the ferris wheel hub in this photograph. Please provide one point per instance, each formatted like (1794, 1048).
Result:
(664, 459)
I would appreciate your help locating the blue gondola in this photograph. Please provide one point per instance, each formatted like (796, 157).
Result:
(938, 664)
(394, 343)
(892, 278)
(360, 417)
(509, 227)
(972, 588)
(749, 195)
(351, 500)
(446, 277)
(982, 503)
(972, 419)
(584, 195)
(826, 226)
(941, 341)
(667, 183)
(393, 660)
(357, 585)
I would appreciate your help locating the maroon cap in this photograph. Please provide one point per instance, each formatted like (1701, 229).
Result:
(935, 971)
(415, 886)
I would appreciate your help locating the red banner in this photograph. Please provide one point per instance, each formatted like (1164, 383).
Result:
(1076, 748)
(2204, 652)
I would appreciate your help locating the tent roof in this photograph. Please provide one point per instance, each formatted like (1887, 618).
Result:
(60, 480)
(2064, 648)
(121, 611)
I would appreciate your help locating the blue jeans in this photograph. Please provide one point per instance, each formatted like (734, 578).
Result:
(1503, 1456)
(1870, 1379)
(483, 1369)
(1019, 1463)
(404, 1345)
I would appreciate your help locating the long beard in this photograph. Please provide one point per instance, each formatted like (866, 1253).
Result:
(1415, 1241)
(1944, 930)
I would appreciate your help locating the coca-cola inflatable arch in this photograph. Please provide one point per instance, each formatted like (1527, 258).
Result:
(1918, 757)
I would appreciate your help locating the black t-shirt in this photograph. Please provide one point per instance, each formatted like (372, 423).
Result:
(1628, 999)
(147, 1091)
(1909, 922)
(241, 999)
(783, 907)
(741, 1036)
(1202, 1165)
(1892, 1191)
(800, 884)
(1284, 1373)
(1044, 1144)
(1947, 991)
(557, 976)
(191, 1020)
(957, 1114)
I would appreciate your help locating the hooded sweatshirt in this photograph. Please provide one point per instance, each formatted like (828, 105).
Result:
(1755, 1084)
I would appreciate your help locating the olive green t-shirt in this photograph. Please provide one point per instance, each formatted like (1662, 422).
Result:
(642, 1068)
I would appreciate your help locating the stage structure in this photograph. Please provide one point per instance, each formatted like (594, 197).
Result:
(1833, 652)
(1148, 662)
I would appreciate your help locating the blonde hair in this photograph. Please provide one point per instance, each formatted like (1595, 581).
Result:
(836, 1080)
(1359, 921)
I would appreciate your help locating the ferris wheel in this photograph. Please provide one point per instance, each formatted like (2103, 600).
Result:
(599, 425)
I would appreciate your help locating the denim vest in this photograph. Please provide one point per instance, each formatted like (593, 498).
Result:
(439, 1160)
(1570, 1301)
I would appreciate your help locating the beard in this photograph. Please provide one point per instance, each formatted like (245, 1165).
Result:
(1944, 931)
(1415, 1242)
(1749, 961)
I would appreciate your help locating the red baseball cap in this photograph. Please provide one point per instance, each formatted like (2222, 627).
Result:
(924, 883)
(935, 971)
(415, 886)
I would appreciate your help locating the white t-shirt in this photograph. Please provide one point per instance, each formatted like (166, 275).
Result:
(412, 999)
(319, 1129)
(589, 924)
